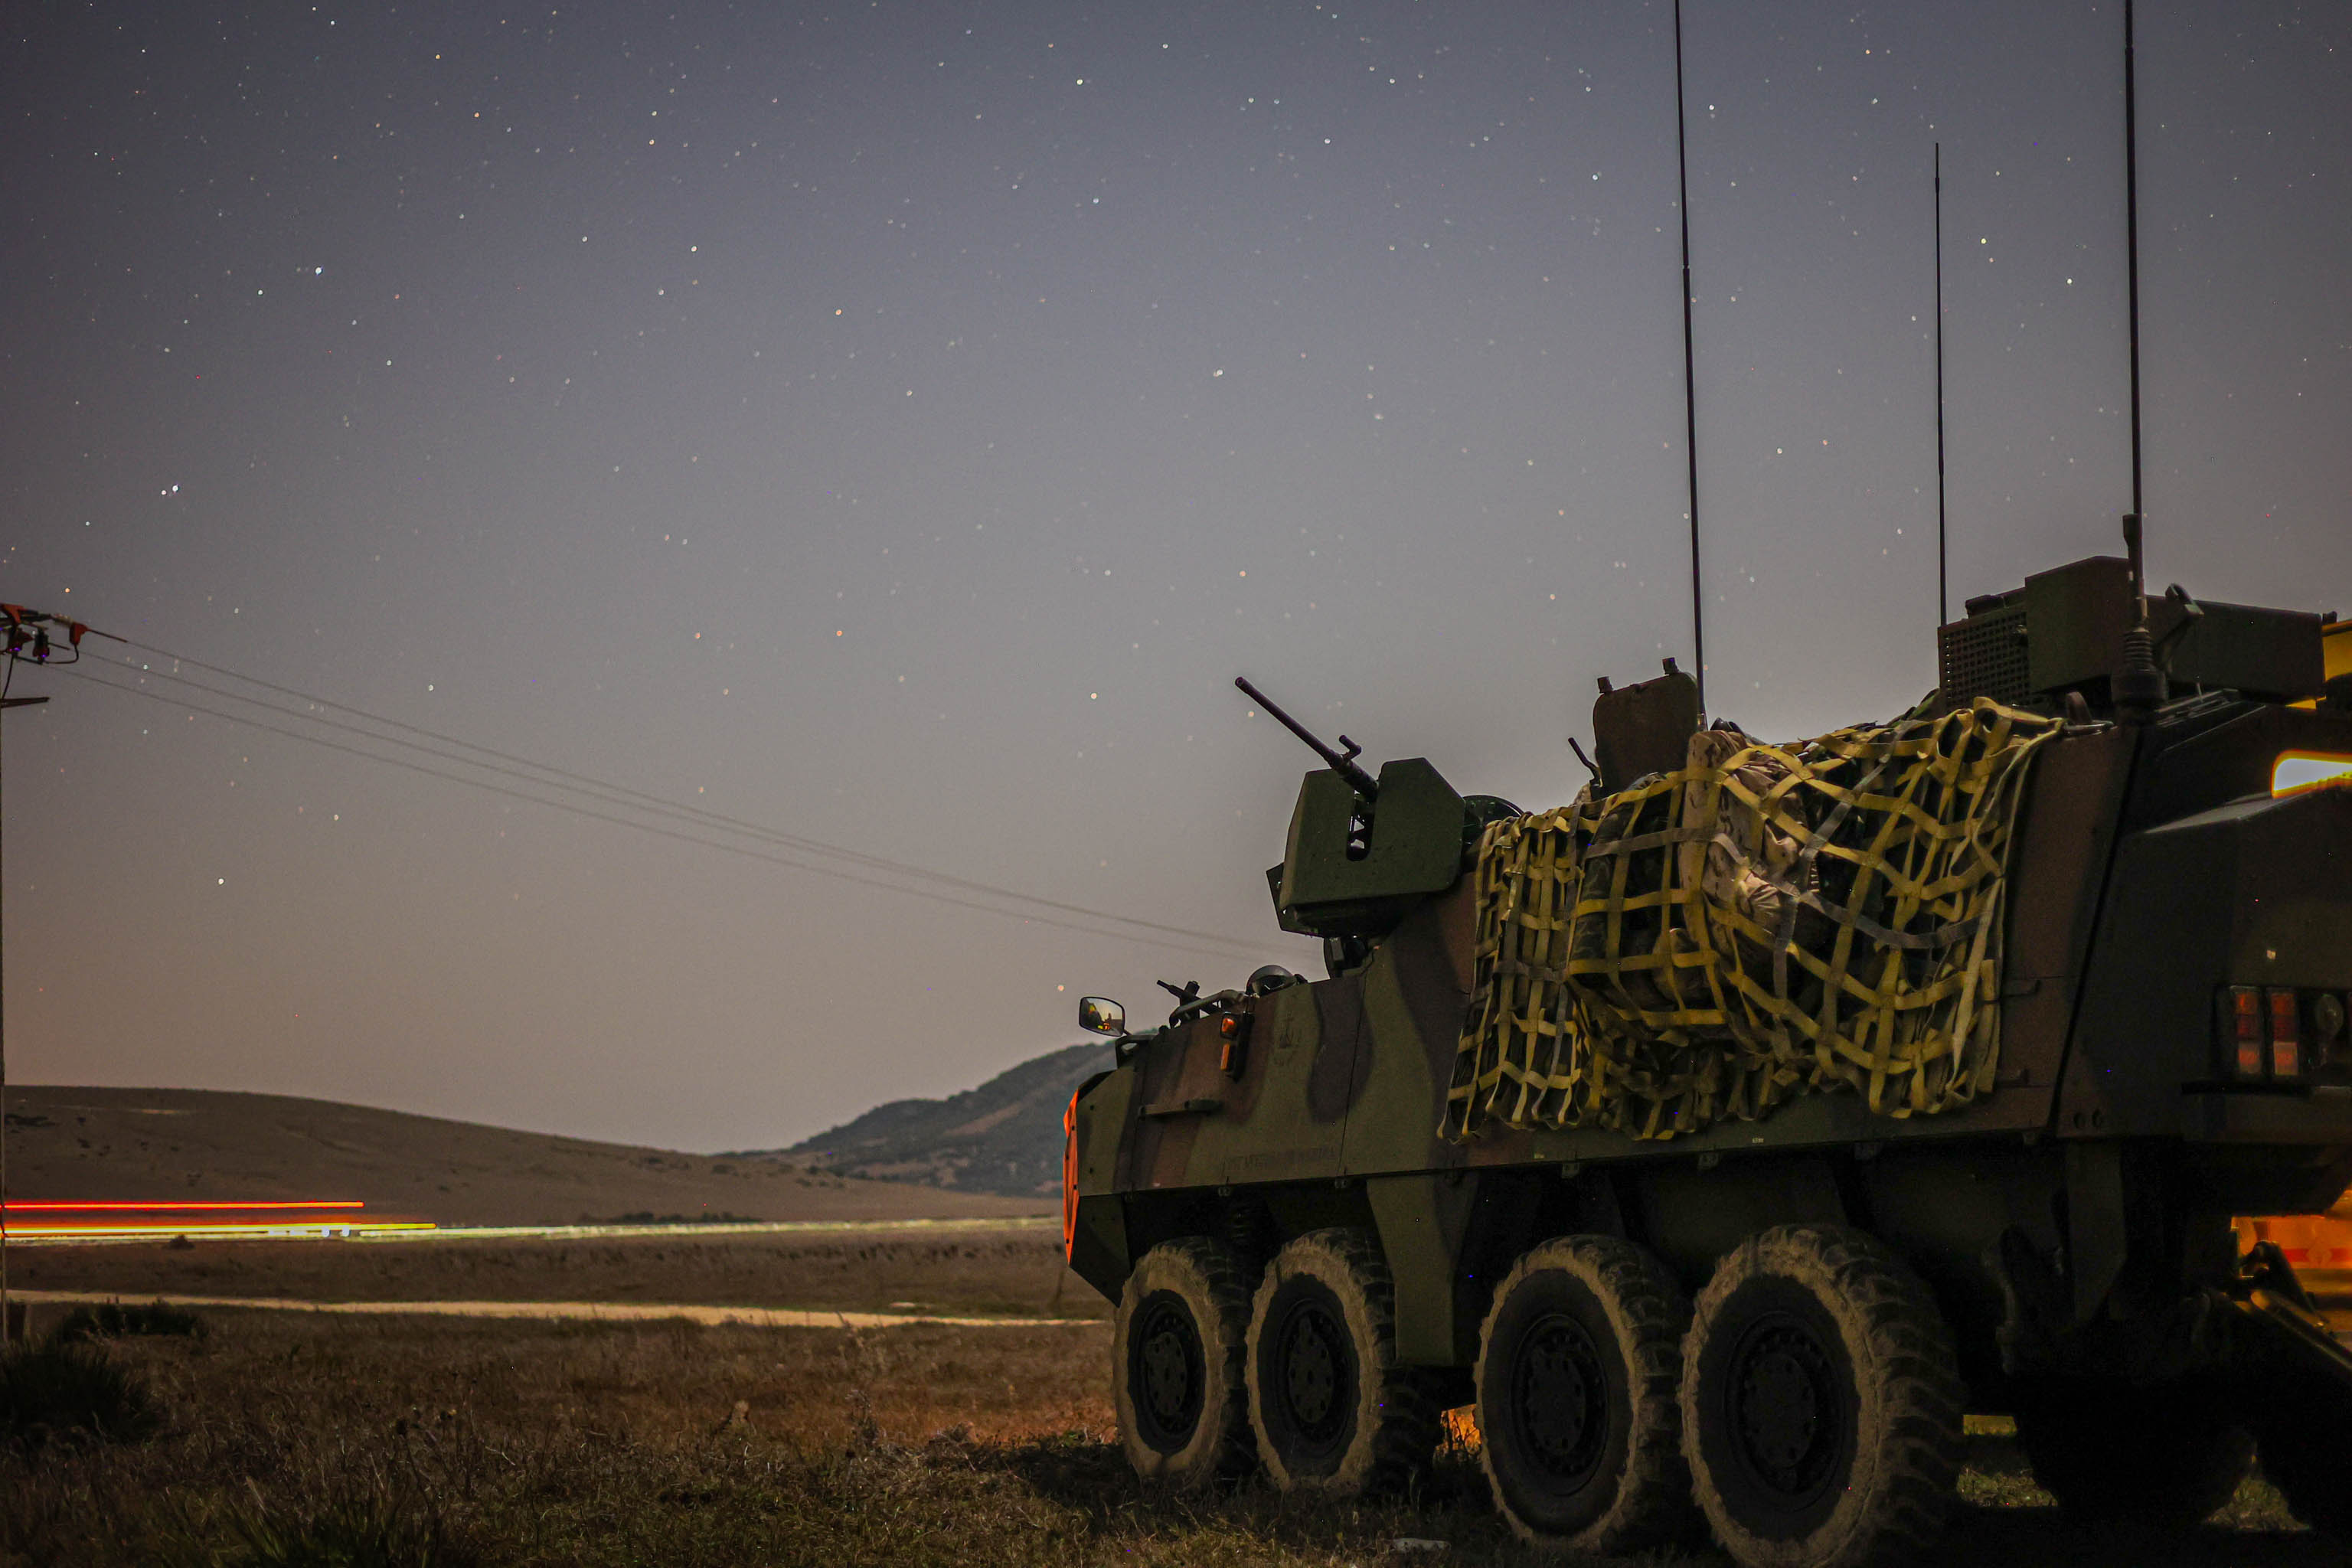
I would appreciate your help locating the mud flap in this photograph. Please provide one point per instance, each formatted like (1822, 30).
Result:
(1423, 1219)
(2097, 1239)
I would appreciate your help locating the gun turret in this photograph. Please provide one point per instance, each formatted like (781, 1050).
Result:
(1362, 851)
(1367, 788)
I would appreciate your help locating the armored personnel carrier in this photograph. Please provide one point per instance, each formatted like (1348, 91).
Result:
(1722, 1138)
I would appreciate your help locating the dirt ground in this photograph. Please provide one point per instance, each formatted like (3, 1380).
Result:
(550, 1443)
(980, 1271)
(556, 1444)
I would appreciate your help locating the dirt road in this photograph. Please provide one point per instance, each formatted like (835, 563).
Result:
(598, 1311)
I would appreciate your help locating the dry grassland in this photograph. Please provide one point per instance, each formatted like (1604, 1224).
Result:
(597, 1444)
(980, 1272)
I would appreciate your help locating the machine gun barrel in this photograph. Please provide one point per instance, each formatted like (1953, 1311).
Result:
(1342, 763)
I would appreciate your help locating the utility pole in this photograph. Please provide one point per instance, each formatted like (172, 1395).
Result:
(28, 637)
(11, 1324)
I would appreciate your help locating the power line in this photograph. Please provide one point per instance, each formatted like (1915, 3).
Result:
(1181, 939)
(549, 769)
(1167, 936)
(621, 794)
(636, 800)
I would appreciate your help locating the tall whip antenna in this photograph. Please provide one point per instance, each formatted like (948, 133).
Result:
(2131, 249)
(2140, 686)
(1942, 555)
(1690, 392)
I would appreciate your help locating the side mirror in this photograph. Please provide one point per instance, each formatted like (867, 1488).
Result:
(1101, 1015)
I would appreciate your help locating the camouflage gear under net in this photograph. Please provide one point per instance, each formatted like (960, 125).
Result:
(1711, 942)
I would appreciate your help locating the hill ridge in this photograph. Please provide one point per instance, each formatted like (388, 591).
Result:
(69, 1142)
(1004, 1136)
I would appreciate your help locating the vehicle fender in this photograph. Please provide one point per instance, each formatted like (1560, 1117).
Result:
(1101, 1119)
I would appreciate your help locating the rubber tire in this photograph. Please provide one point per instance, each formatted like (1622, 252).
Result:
(2306, 1448)
(1636, 1493)
(2164, 1456)
(1197, 1282)
(1887, 1484)
(1379, 1432)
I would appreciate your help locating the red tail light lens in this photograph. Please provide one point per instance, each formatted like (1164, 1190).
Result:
(2286, 1034)
(2246, 1030)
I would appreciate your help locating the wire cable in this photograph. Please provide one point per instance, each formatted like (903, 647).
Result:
(627, 795)
(626, 798)
(1203, 943)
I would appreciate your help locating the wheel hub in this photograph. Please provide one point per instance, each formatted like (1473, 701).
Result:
(1560, 1397)
(1785, 1406)
(1167, 1374)
(1314, 1368)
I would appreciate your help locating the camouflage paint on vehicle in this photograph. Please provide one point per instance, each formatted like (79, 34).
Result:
(2072, 1226)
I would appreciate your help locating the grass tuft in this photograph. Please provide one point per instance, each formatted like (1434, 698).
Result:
(377, 1527)
(61, 1393)
(113, 1321)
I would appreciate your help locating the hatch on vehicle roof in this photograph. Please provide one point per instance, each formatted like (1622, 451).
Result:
(1644, 728)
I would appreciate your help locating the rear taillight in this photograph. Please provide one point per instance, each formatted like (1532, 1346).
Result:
(2286, 1034)
(2246, 1039)
(2282, 1034)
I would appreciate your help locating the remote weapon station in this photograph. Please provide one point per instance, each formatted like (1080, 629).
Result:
(1721, 1137)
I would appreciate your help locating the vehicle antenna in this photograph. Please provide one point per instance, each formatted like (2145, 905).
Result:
(2131, 252)
(2139, 687)
(1690, 392)
(1943, 553)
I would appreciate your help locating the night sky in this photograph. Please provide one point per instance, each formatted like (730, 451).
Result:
(895, 426)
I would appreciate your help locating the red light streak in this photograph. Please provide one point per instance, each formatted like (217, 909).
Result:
(50, 1206)
(47, 1207)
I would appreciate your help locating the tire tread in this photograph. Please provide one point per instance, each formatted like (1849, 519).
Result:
(1397, 1450)
(1653, 1506)
(1914, 1449)
(1224, 1289)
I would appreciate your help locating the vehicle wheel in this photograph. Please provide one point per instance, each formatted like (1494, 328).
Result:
(1176, 1364)
(1578, 1367)
(1333, 1410)
(1820, 1403)
(2166, 1454)
(2306, 1451)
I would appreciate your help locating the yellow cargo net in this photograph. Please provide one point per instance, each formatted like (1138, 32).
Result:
(1711, 942)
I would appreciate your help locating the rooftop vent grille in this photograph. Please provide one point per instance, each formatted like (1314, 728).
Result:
(1985, 655)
